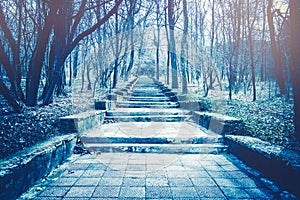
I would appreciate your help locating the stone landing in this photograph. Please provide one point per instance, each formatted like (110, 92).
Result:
(148, 120)
(152, 137)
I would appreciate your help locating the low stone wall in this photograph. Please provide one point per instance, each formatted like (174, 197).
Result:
(105, 104)
(218, 123)
(21, 171)
(277, 163)
(81, 122)
(194, 105)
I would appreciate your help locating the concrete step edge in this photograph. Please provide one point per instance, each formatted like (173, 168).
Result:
(157, 140)
(162, 148)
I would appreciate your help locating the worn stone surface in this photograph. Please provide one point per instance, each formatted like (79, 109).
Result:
(276, 162)
(176, 175)
(149, 137)
(194, 105)
(79, 123)
(154, 176)
(22, 170)
(218, 123)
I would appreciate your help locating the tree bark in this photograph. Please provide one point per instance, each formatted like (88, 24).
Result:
(131, 27)
(275, 50)
(71, 43)
(116, 66)
(295, 61)
(158, 37)
(11, 62)
(251, 50)
(184, 48)
(172, 44)
(168, 41)
(37, 59)
(10, 98)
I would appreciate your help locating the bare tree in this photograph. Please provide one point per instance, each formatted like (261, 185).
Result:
(295, 60)
(275, 50)
(70, 40)
(250, 38)
(184, 49)
(171, 20)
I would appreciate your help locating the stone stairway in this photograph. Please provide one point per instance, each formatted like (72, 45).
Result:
(148, 94)
(149, 120)
(148, 102)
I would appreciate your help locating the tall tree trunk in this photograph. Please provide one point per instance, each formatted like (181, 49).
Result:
(168, 66)
(36, 64)
(131, 27)
(75, 62)
(184, 48)
(263, 46)
(212, 43)
(116, 71)
(17, 106)
(57, 50)
(158, 38)
(251, 50)
(295, 61)
(70, 71)
(11, 58)
(168, 50)
(172, 44)
(275, 50)
(69, 41)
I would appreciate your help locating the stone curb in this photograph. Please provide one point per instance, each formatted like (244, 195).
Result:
(81, 122)
(22, 170)
(220, 124)
(275, 162)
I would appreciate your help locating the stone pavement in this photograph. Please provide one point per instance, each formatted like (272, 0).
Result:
(164, 156)
(152, 137)
(150, 176)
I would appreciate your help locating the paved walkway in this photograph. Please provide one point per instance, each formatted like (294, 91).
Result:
(151, 176)
(149, 130)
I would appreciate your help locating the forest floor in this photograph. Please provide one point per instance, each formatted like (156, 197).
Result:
(36, 124)
(270, 119)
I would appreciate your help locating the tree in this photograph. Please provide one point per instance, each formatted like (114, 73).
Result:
(157, 42)
(295, 60)
(116, 71)
(250, 38)
(184, 49)
(275, 49)
(67, 40)
(172, 43)
(55, 26)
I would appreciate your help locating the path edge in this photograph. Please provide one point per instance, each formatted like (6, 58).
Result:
(21, 171)
(275, 162)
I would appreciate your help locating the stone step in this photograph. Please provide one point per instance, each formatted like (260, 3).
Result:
(150, 99)
(146, 112)
(149, 118)
(154, 88)
(146, 103)
(120, 105)
(148, 94)
(137, 104)
(146, 85)
(92, 139)
(158, 148)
